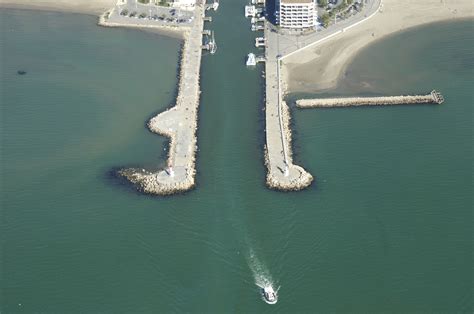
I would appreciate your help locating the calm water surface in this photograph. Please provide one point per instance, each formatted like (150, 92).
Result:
(386, 227)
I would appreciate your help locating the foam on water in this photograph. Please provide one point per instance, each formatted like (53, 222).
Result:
(259, 270)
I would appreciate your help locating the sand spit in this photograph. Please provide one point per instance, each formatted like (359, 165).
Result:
(320, 67)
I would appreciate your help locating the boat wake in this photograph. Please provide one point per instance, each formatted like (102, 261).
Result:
(261, 276)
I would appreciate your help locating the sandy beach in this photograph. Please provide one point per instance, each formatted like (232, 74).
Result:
(320, 67)
(95, 7)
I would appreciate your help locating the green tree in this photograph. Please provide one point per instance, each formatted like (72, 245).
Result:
(325, 19)
(323, 3)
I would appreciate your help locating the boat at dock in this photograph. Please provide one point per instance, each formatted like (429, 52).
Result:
(251, 60)
(212, 6)
(212, 44)
(257, 27)
(250, 11)
(260, 42)
(269, 295)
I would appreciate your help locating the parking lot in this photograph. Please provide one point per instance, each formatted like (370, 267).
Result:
(151, 14)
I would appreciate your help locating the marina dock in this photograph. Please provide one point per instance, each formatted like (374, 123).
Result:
(179, 123)
(432, 98)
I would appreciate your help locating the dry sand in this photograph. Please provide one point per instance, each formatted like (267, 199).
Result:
(320, 67)
(95, 7)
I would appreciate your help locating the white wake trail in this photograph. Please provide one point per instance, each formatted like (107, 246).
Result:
(260, 272)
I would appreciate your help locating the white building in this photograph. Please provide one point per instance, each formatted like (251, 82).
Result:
(184, 4)
(297, 14)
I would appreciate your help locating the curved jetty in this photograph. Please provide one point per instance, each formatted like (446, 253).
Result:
(432, 98)
(179, 123)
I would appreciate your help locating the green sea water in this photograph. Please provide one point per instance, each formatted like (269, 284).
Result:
(387, 226)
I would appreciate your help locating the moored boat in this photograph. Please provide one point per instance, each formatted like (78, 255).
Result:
(251, 60)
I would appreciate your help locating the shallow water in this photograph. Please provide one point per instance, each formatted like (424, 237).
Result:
(386, 227)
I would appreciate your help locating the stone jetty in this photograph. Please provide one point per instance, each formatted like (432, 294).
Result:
(432, 98)
(282, 174)
(179, 124)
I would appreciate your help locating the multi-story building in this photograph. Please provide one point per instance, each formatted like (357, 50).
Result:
(296, 14)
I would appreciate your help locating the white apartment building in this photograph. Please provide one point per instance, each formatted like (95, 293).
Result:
(296, 14)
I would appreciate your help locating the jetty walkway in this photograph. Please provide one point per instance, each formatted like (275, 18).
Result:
(282, 173)
(179, 123)
(432, 98)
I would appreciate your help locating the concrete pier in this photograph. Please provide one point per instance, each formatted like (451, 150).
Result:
(432, 98)
(179, 123)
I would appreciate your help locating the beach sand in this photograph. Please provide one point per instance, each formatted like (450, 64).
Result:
(94, 7)
(320, 67)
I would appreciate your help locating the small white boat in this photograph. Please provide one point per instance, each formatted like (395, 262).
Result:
(269, 295)
(251, 60)
(250, 11)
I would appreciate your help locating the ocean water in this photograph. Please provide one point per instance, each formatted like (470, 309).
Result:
(387, 226)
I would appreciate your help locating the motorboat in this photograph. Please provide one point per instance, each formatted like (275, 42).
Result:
(269, 295)
(251, 60)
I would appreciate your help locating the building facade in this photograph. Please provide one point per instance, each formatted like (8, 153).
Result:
(297, 14)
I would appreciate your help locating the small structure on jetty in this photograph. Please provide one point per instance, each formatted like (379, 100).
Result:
(434, 97)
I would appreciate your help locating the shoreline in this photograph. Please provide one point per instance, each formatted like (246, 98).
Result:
(97, 10)
(331, 58)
